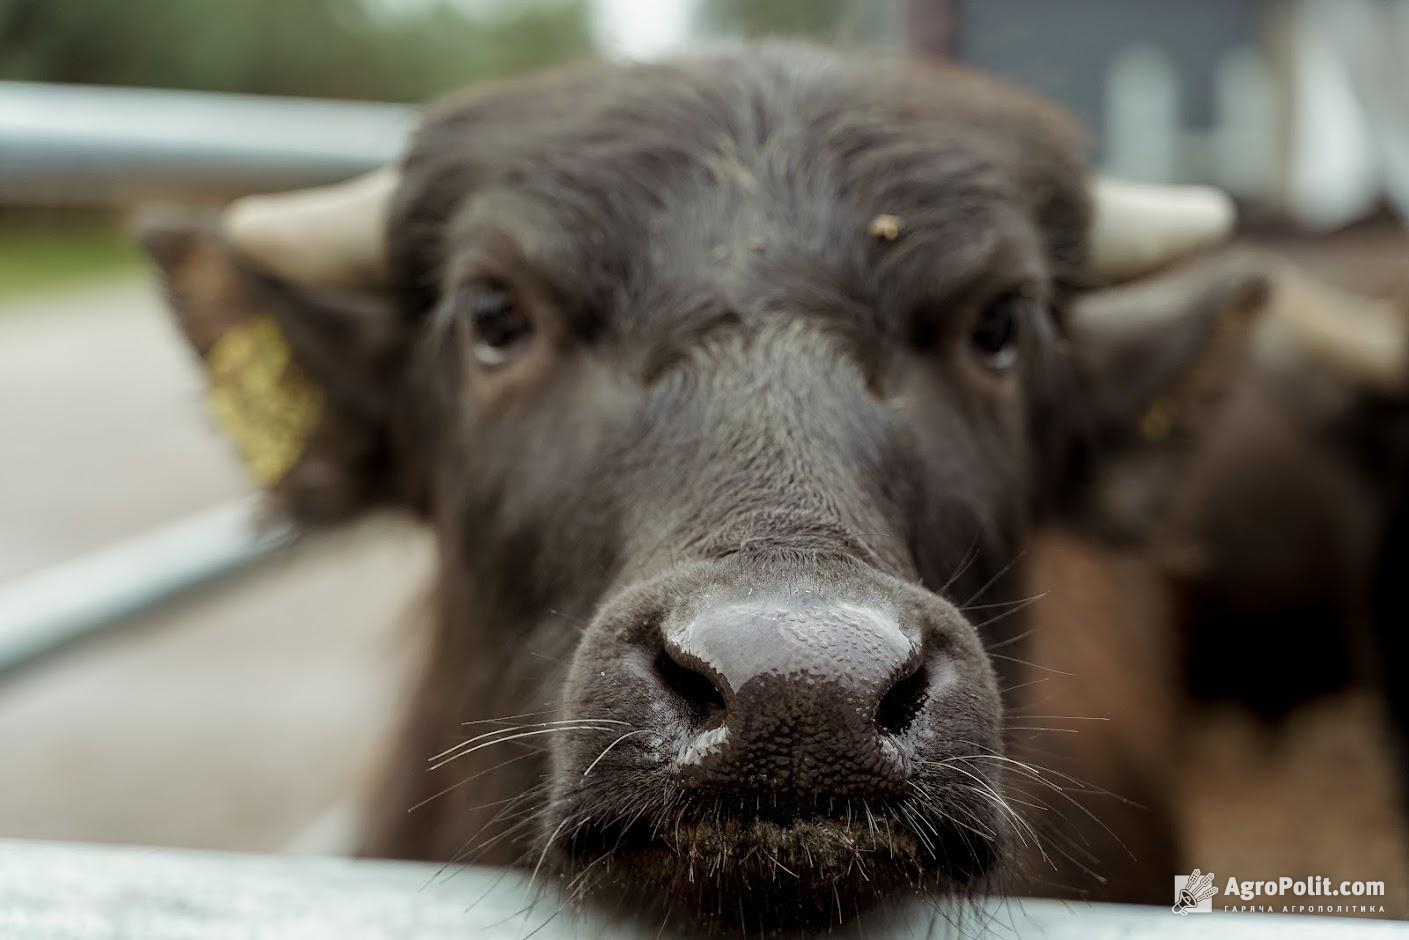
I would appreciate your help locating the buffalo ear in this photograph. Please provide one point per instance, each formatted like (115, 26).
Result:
(304, 381)
(1152, 363)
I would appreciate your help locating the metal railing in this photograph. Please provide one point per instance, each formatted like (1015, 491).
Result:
(71, 145)
(81, 145)
(45, 612)
(50, 891)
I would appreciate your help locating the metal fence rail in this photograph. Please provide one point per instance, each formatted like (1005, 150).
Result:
(87, 146)
(81, 145)
(45, 612)
(74, 892)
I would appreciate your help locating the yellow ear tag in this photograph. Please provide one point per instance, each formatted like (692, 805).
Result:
(262, 398)
(1158, 421)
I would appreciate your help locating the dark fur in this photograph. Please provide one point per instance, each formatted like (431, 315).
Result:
(733, 394)
(1286, 536)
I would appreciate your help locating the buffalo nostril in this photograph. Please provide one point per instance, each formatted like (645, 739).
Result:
(698, 695)
(902, 703)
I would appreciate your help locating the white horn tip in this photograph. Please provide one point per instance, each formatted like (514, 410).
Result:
(1366, 339)
(330, 236)
(1137, 228)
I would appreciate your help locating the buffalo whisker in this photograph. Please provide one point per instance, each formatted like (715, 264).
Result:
(505, 719)
(541, 724)
(994, 580)
(987, 788)
(548, 844)
(609, 747)
(1015, 609)
(1013, 603)
(1023, 662)
(1074, 802)
(1068, 717)
(511, 737)
(470, 779)
(970, 557)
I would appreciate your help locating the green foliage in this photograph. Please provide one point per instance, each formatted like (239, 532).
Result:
(37, 258)
(324, 48)
(836, 21)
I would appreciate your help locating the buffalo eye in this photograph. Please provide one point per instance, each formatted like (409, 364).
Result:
(498, 324)
(995, 334)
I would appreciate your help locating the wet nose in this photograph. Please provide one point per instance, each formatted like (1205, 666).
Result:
(796, 693)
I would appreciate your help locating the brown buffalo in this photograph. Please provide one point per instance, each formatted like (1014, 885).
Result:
(1241, 640)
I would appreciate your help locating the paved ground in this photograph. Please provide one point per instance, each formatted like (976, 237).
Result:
(234, 719)
(102, 429)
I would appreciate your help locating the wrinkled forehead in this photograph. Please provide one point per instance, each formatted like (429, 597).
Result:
(719, 170)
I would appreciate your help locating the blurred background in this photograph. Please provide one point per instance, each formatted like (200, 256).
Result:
(234, 691)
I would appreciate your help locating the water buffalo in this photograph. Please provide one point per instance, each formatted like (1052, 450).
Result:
(1233, 606)
(731, 387)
